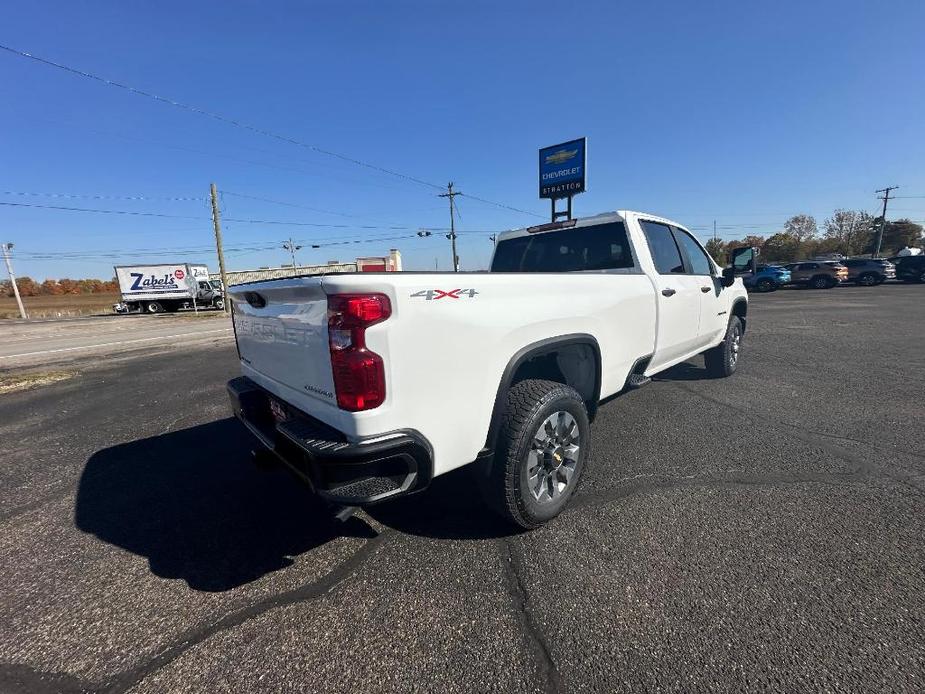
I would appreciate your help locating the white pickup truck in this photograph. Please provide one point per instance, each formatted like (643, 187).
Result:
(369, 385)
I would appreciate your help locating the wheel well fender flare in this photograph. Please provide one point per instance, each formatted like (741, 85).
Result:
(739, 308)
(547, 346)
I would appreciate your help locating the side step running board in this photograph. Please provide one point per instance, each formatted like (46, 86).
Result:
(637, 381)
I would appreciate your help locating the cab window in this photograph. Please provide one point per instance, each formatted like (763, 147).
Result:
(665, 253)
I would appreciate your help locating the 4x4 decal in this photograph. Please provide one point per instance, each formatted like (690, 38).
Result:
(434, 294)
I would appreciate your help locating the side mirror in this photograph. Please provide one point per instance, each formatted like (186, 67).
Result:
(743, 259)
(729, 276)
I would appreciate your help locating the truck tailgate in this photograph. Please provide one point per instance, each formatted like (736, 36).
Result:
(282, 333)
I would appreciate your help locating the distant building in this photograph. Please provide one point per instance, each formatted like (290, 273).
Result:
(389, 263)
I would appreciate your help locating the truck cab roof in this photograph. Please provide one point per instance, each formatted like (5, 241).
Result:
(603, 218)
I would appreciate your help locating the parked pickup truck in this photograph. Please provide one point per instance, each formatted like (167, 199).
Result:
(370, 385)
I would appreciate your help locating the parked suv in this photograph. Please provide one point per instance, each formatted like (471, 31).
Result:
(911, 268)
(817, 274)
(767, 278)
(869, 271)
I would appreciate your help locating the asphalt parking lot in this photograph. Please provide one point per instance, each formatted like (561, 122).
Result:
(759, 533)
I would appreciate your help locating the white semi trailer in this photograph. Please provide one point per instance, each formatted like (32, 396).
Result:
(166, 287)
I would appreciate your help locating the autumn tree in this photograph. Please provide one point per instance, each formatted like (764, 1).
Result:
(847, 231)
(801, 226)
(782, 246)
(717, 250)
(50, 288)
(896, 235)
(69, 286)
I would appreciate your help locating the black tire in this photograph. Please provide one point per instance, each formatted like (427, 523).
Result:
(723, 360)
(154, 307)
(822, 282)
(506, 488)
(766, 285)
(219, 304)
(868, 279)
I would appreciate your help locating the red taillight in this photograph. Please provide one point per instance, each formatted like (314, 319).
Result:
(359, 374)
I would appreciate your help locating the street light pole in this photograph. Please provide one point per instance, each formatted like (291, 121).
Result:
(7, 247)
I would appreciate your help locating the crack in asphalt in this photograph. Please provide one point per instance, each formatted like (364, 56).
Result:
(127, 679)
(585, 499)
(23, 679)
(818, 438)
(533, 635)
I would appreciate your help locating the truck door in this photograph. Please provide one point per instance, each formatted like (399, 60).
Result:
(677, 294)
(713, 318)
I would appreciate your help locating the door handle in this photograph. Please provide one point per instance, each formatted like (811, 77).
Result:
(705, 289)
(668, 292)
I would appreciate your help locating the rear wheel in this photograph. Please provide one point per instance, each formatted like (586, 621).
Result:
(154, 307)
(543, 447)
(723, 360)
(868, 279)
(822, 282)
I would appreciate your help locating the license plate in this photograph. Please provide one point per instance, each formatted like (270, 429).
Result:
(279, 411)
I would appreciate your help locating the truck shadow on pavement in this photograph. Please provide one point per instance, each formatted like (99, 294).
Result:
(450, 508)
(685, 371)
(192, 502)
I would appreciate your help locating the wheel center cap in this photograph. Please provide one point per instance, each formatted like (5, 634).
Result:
(554, 458)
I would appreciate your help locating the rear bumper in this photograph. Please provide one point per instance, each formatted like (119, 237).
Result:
(345, 472)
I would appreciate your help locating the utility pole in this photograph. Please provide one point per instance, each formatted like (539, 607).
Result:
(217, 224)
(885, 198)
(292, 248)
(7, 247)
(714, 232)
(452, 235)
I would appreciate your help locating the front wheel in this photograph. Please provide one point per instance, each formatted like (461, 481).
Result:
(766, 285)
(868, 279)
(219, 304)
(543, 447)
(154, 307)
(722, 360)
(822, 282)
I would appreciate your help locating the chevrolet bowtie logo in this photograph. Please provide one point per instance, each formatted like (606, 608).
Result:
(563, 155)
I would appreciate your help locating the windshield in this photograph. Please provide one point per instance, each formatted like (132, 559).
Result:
(215, 284)
(598, 247)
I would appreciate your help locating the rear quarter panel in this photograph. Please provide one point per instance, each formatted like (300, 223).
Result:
(445, 351)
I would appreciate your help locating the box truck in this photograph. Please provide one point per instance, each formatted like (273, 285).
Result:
(166, 287)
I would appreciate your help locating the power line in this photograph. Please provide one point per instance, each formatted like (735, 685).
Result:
(506, 207)
(103, 197)
(217, 116)
(286, 204)
(239, 220)
(98, 211)
(247, 126)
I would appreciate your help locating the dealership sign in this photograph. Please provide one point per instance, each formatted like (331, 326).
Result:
(563, 169)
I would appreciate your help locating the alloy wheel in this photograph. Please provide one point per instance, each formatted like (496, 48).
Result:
(553, 457)
(735, 341)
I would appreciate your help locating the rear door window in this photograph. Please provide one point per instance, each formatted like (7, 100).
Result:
(665, 253)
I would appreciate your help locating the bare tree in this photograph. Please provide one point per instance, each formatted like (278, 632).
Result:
(850, 230)
(802, 227)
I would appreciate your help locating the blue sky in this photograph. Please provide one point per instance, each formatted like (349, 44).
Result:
(741, 112)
